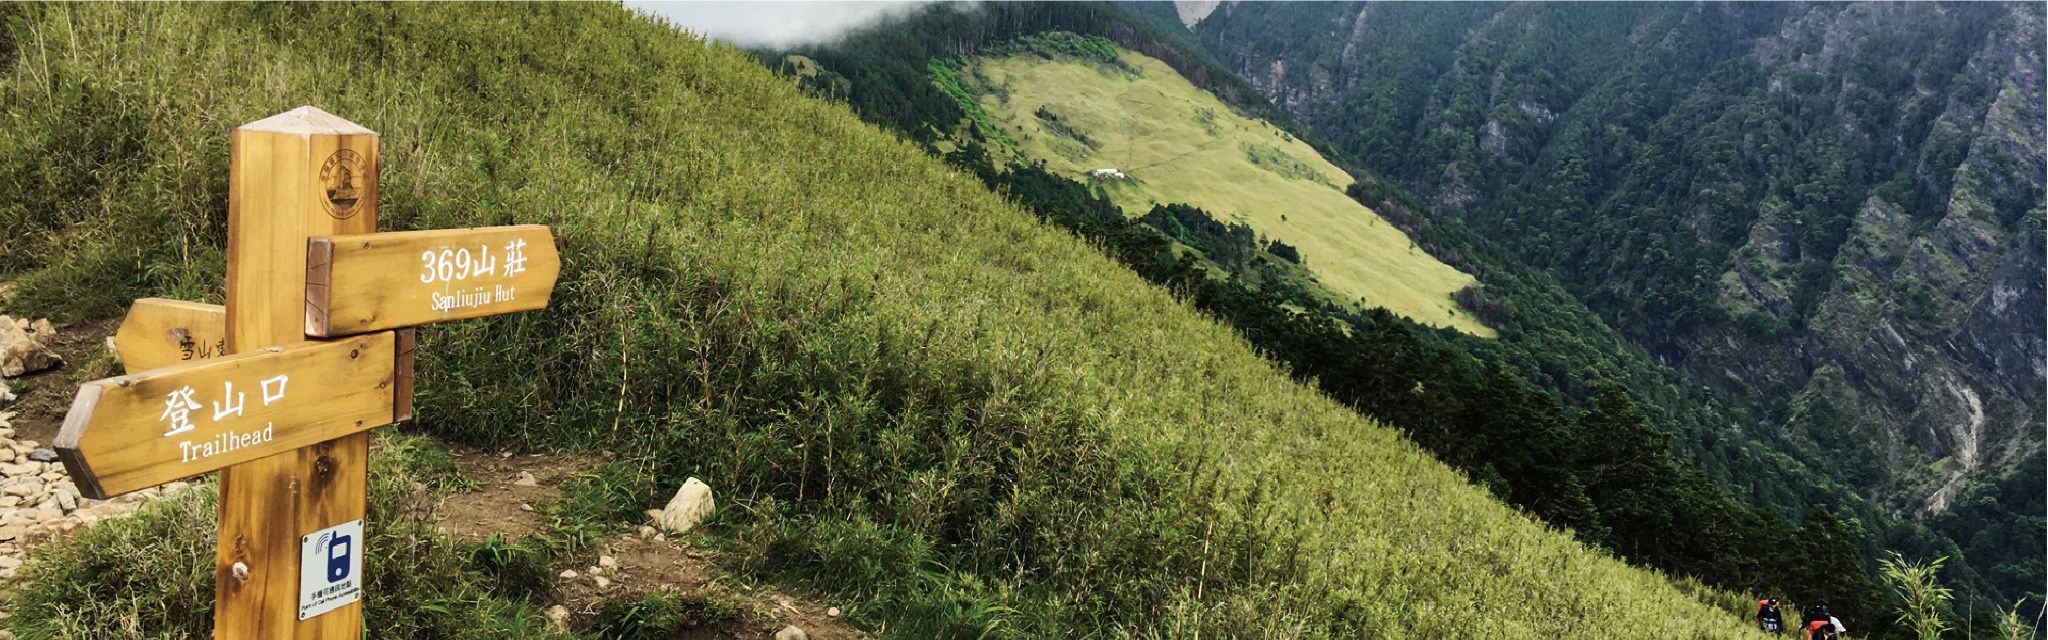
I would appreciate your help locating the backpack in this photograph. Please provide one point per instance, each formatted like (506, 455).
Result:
(1822, 629)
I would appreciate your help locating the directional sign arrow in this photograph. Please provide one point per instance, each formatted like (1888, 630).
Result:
(142, 430)
(377, 281)
(159, 333)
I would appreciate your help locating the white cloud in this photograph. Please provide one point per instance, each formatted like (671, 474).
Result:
(776, 24)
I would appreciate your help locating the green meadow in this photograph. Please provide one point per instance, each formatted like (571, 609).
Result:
(1179, 143)
(911, 395)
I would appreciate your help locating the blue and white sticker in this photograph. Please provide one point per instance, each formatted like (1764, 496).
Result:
(330, 568)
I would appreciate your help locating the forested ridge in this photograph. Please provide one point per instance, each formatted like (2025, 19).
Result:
(1832, 213)
(1567, 372)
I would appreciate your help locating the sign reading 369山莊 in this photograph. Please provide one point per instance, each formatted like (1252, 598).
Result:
(371, 282)
(146, 429)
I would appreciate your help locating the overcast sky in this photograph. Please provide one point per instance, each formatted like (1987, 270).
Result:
(775, 24)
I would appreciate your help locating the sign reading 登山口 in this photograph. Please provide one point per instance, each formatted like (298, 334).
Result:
(141, 430)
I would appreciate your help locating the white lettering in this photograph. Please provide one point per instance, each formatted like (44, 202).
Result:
(231, 403)
(177, 409)
(224, 442)
(270, 396)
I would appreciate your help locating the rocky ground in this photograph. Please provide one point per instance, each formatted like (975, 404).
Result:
(38, 502)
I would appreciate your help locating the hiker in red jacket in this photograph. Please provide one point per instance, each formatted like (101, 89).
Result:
(1768, 618)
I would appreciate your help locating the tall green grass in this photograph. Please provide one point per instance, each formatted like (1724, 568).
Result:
(906, 391)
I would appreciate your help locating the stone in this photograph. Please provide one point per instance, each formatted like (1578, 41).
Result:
(525, 507)
(559, 615)
(791, 632)
(22, 490)
(607, 562)
(44, 332)
(10, 533)
(44, 454)
(647, 532)
(831, 612)
(568, 574)
(67, 500)
(6, 393)
(653, 515)
(6, 454)
(9, 501)
(601, 582)
(21, 353)
(526, 479)
(21, 469)
(9, 562)
(691, 504)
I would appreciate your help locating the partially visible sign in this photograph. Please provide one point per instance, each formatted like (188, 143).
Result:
(146, 429)
(330, 568)
(377, 281)
(159, 332)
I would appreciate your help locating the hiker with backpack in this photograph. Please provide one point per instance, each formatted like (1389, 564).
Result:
(1768, 618)
(1821, 625)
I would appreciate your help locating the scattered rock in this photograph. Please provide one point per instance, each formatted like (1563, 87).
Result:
(23, 350)
(568, 574)
(560, 615)
(43, 455)
(647, 532)
(791, 633)
(6, 394)
(692, 503)
(601, 582)
(607, 562)
(525, 507)
(526, 479)
(831, 612)
(9, 562)
(6, 454)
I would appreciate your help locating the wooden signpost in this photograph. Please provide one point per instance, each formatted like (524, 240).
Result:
(241, 388)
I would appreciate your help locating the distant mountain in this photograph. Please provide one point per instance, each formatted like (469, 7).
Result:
(1831, 212)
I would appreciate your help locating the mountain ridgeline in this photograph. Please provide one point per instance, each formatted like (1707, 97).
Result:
(1832, 213)
(1796, 453)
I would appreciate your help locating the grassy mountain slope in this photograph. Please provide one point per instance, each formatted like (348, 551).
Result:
(908, 392)
(1179, 144)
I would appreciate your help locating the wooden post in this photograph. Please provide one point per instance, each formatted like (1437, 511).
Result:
(291, 176)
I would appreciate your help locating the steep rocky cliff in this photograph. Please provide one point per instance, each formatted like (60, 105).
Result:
(1831, 212)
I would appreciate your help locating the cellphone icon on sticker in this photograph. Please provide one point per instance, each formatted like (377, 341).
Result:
(338, 550)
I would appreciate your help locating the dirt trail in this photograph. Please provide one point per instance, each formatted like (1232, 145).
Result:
(640, 561)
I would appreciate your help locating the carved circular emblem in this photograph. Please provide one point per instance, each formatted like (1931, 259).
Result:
(341, 183)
